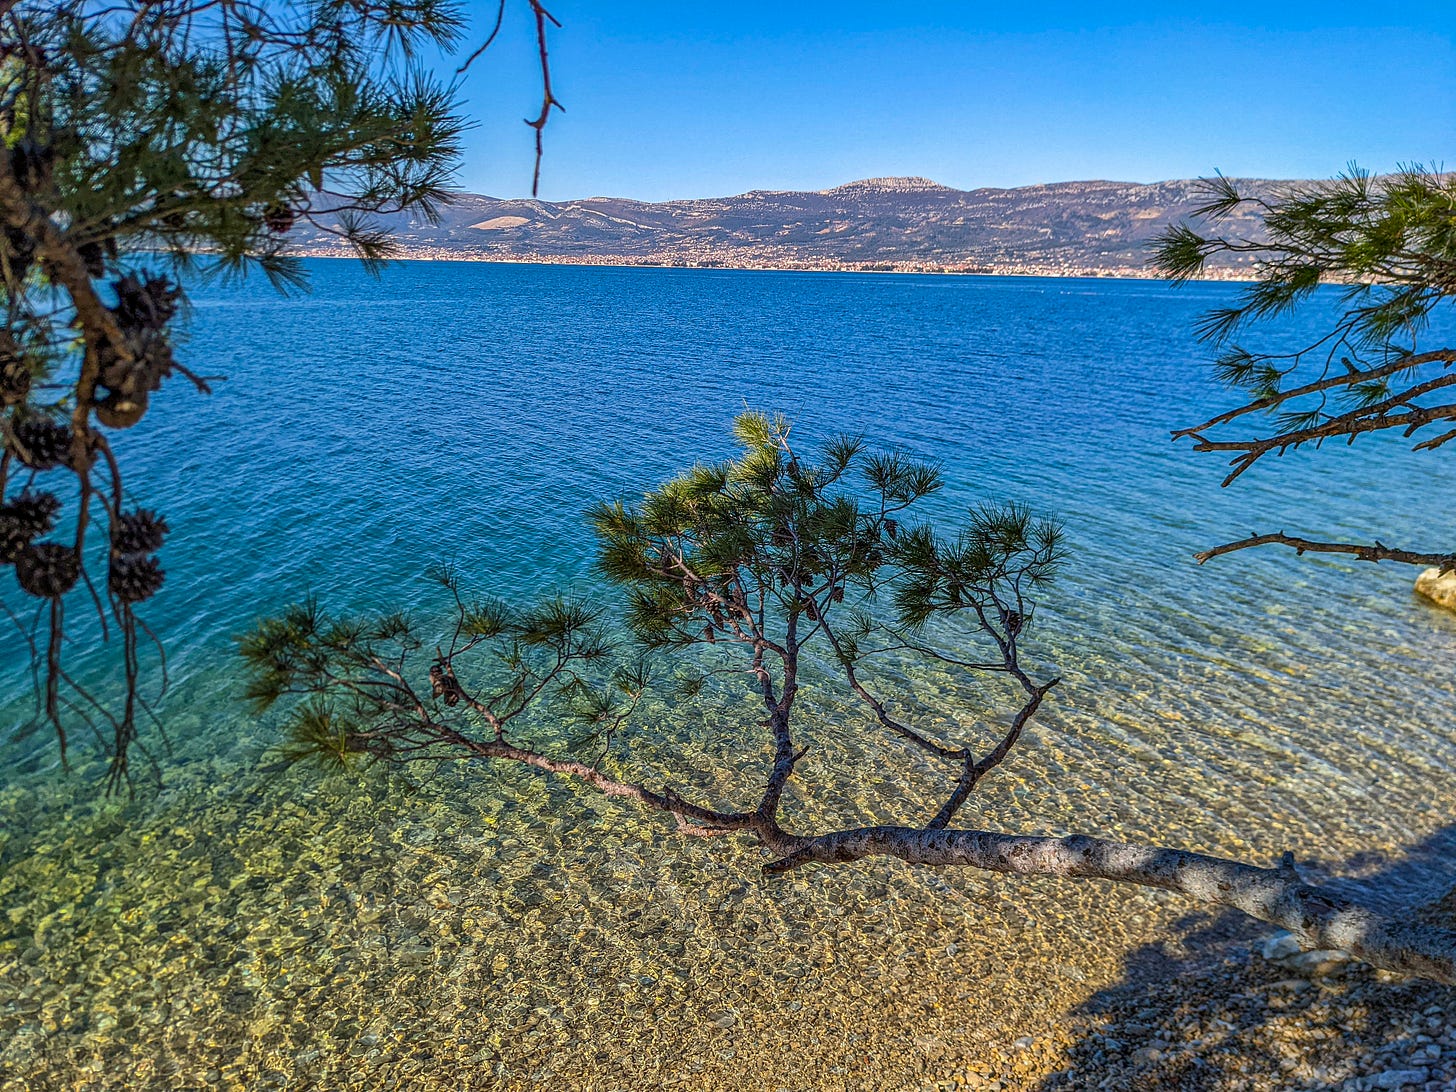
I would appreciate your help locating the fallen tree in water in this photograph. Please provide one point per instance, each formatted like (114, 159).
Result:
(746, 569)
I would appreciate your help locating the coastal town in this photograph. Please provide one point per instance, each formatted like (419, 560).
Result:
(768, 261)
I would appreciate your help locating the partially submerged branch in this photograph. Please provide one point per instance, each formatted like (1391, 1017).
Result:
(736, 569)
(1319, 918)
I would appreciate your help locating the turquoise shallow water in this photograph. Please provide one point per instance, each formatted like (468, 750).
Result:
(237, 927)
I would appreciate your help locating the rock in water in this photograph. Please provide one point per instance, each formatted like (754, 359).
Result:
(1438, 587)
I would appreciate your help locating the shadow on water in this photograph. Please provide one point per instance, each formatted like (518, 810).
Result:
(1204, 1010)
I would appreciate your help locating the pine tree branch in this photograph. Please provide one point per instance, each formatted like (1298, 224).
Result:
(1373, 552)
(1350, 425)
(1446, 357)
(975, 770)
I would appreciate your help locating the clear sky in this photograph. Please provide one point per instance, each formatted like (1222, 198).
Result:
(703, 99)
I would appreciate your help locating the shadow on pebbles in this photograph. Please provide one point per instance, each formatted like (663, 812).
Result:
(1210, 1011)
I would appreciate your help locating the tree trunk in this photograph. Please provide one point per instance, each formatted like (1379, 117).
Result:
(1318, 918)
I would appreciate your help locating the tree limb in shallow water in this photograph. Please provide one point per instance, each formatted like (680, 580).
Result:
(1319, 918)
(752, 566)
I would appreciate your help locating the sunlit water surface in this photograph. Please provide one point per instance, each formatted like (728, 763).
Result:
(474, 927)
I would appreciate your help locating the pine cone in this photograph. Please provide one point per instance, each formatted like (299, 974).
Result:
(144, 304)
(443, 683)
(19, 252)
(134, 578)
(114, 411)
(128, 377)
(138, 532)
(279, 219)
(47, 570)
(41, 443)
(25, 519)
(32, 164)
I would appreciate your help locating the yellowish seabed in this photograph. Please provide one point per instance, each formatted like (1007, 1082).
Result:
(471, 927)
(326, 940)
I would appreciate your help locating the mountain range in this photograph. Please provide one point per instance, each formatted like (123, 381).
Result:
(1063, 228)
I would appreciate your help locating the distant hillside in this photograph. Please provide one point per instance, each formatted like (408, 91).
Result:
(1063, 227)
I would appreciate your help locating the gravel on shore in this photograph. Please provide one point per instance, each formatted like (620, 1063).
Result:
(1210, 1011)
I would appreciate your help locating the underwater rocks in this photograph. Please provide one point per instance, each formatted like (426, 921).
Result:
(1438, 587)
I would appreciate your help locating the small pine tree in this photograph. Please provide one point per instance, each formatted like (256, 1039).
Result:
(757, 559)
(752, 569)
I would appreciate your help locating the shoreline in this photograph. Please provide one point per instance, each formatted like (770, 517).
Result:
(902, 268)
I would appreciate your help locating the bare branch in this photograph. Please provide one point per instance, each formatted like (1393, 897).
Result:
(548, 96)
(1445, 357)
(1375, 552)
(975, 770)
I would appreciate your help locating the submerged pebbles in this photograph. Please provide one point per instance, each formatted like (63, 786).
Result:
(471, 927)
(355, 934)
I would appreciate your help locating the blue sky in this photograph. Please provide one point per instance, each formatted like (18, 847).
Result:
(706, 99)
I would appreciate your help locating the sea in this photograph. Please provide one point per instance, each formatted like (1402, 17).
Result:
(239, 922)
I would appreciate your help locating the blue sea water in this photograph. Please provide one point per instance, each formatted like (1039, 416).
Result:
(471, 412)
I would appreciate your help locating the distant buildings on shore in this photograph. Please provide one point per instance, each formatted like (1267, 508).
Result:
(778, 262)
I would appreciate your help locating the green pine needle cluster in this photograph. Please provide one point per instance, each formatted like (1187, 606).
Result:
(731, 568)
(1387, 244)
(144, 145)
(1389, 241)
(347, 686)
(766, 530)
(212, 129)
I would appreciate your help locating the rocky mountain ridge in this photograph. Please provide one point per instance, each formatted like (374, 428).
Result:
(875, 223)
